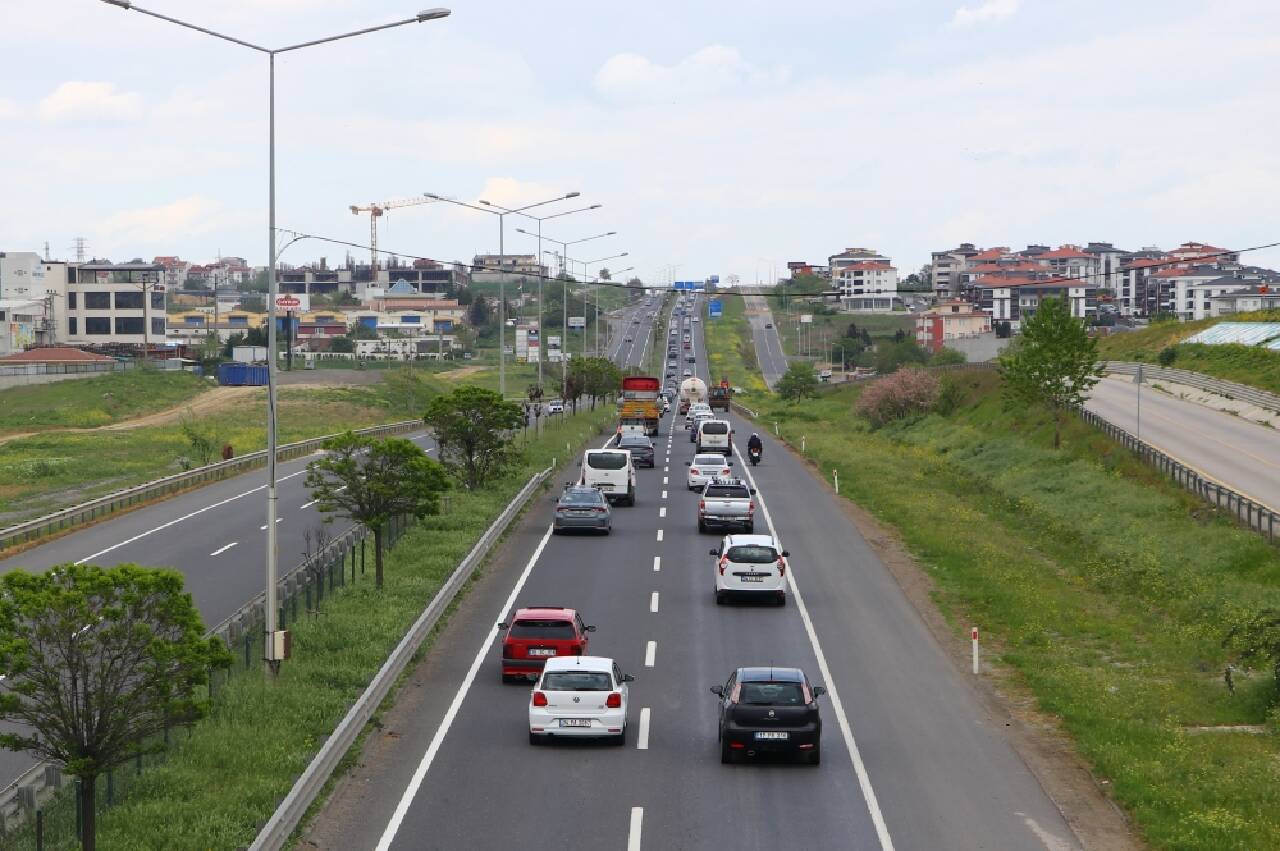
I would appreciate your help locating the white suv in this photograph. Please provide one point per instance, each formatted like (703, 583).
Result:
(612, 472)
(714, 436)
(577, 697)
(706, 467)
(750, 565)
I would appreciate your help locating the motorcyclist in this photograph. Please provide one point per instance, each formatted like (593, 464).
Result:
(754, 445)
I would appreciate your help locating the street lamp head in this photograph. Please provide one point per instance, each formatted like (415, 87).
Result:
(486, 203)
(595, 206)
(425, 15)
(623, 254)
(612, 233)
(525, 232)
(123, 4)
(573, 195)
(433, 196)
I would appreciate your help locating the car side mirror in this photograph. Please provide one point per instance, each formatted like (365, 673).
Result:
(591, 628)
(718, 691)
(818, 691)
(688, 463)
(728, 462)
(786, 554)
(579, 463)
(504, 625)
(753, 491)
(627, 678)
(714, 552)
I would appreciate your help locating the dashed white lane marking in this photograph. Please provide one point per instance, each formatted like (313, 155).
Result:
(650, 650)
(420, 773)
(642, 740)
(859, 768)
(657, 563)
(263, 527)
(653, 602)
(662, 512)
(659, 534)
(666, 469)
(633, 834)
(309, 504)
(664, 493)
(220, 550)
(664, 480)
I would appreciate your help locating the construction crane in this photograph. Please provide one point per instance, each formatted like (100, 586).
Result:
(375, 210)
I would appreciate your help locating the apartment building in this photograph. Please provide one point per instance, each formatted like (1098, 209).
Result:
(949, 321)
(867, 285)
(116, 303)
(1013, 299)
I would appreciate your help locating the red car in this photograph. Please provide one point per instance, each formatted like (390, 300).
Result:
(537, 634)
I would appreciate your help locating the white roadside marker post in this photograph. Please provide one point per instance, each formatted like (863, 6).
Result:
(974, 635)
(835, 475)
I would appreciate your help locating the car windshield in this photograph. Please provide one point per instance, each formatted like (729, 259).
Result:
(771, 694)
(715, 428)
(577, 681)
(606, 460)
(727, 491)
(591, 497)
(752, 554)
(542, 629)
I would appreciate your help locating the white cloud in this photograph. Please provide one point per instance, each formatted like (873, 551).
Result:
(990, 10)
(711, 70)
(8, 109)
(78, 100)
(165, 224)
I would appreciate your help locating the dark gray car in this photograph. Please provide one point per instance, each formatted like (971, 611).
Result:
(583, 508)
(640, 447)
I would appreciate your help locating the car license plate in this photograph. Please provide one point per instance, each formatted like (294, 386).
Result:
(575, 722)
(542, 651)
(753, 579)
(771, 735)
(584, 513)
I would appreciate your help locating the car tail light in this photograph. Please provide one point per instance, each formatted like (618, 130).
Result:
(724, 560)
(614, 701)
(725, 471)
(782, 567)
(751, 507)
(539, 699)
(702, 505)
(602, 511)
(693, 470)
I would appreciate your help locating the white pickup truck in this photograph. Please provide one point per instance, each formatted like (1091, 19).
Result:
(727, 504)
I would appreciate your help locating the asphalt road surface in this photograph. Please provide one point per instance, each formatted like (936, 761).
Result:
(1238, 453)
(911, 760)
(773, 363)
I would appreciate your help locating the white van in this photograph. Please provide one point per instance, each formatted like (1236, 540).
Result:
(714, 436)
(612, 472)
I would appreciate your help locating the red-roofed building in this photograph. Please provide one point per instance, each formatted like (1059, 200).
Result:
(1011, 299)
(867, 283)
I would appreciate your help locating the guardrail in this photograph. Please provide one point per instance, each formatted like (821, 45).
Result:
(87, 512)
(1200, 381)
(744, 410)
(275, 834)
(1256, 516)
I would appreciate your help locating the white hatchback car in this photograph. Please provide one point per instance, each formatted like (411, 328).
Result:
(579, 697)
(705, 467)
(750, 565)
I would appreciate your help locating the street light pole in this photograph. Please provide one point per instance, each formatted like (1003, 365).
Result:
(271, 656)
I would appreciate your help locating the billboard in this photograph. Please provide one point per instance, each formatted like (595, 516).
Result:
(577, 322)
(714, 279)
(806, 317)
(553, 342)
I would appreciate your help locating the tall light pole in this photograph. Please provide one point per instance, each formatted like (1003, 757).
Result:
(271, 656)
(586, 273)
(502, 213)
(564, 256)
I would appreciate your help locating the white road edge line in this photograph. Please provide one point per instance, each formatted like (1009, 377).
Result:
(653, 602)
(650, 651)
(220, 550)
(642, 740)
(419, 774)
(846, 731)
(633, 833)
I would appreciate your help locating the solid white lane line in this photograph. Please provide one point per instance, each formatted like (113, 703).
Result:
(420, 773)
(657, 563)
(650, 650)
(633, 834)
(653, 602)
(662, 512)
(220, 550)
(846, 731)
(659, 534)
(642, 740)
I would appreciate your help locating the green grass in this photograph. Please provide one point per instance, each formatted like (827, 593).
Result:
(216, 787)
(881, 326)
(90, 402)
(731, 349)
(1250, 365)
(1106, 588)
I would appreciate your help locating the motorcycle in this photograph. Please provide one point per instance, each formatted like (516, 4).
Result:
(754, 454)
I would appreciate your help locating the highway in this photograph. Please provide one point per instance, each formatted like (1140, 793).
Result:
(911, 760)
(773, 363)
(1240, 454)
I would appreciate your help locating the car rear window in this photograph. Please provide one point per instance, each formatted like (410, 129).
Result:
(727, 491)
(542, 629)
(708, 461)
(752, 554)
(771, 694)
(577, 681)
(715, 428)
(633, 440)
(606, 460)
(582, 498)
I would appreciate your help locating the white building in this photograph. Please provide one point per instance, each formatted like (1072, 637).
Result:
(116, 303)
(867, 286)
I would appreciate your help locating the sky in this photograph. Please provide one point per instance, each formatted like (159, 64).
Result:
(720, 138)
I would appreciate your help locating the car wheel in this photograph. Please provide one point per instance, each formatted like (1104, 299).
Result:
(782, 599)
(535, 739)
(702, 527)
(720, 598)
(727, 756)
(814, 757)
(620, 739)
(751, 528)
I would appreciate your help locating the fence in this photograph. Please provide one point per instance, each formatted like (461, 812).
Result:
(1230, 389)
(94, 509)
(1252, 514)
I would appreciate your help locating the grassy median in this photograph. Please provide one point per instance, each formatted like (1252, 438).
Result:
(731, 349)
(1104, 587)
(215, 788)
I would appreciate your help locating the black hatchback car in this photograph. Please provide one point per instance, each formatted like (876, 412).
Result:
(769, 711)
(640, 447)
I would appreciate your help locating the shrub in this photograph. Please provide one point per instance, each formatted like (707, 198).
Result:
(907, 392)
(948, 357)
(1167, 356)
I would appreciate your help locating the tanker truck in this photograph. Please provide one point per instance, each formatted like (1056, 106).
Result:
(692, 390)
